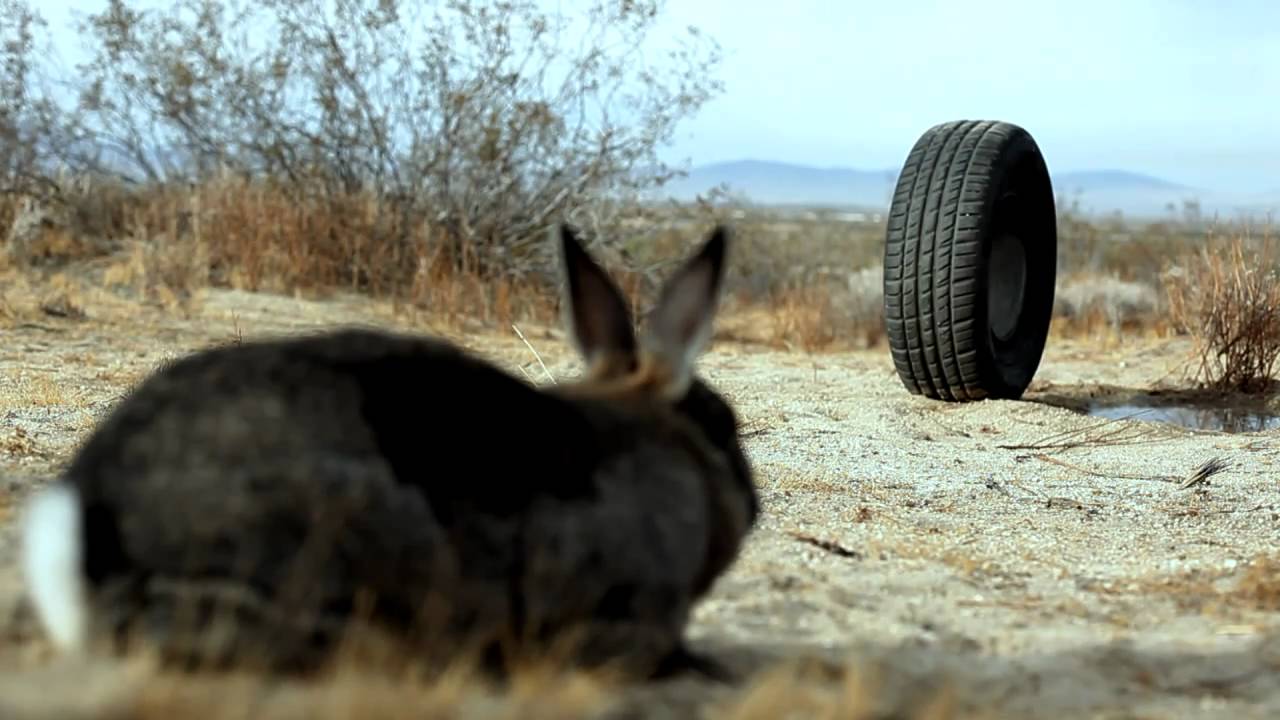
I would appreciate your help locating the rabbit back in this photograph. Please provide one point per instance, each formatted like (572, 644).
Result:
(311, 473)
(355, 462)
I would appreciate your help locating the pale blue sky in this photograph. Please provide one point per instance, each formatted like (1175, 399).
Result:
(1185, 89)
(1188, 90)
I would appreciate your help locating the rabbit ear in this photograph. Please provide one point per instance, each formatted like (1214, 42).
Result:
(679, 327)
(596, 313)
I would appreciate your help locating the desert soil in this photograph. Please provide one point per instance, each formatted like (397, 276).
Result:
(1038, 561)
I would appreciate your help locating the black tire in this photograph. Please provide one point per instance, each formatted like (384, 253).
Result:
(970, 262)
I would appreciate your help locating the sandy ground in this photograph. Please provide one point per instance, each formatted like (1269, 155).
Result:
(1042, 562)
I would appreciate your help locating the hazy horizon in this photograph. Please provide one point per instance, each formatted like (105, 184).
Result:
(1173, 89)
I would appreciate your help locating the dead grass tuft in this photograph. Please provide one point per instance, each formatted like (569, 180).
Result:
(805, 319)
(1087, 304)
(1226, 296)
(18, 443)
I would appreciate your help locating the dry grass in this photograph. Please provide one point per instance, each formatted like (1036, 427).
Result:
(818, 281)
(1224, 592)
(1226, 296)
(134, 689)
(18, 442)
(375, 676)
(1088, 304)
(808, 281)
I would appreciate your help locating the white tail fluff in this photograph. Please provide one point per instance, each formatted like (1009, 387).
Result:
(52, 557)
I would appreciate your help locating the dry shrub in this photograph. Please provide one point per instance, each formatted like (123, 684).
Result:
(814, 317)
(260, 236)
(163, 270)
(82, 218)
(1087, 303)
(815, 281)
(10, 205)
(864, 301)
(803, 318)
(1227, 297)
(1128, 250)
(460, 297)
(808, 280)
(41, 233)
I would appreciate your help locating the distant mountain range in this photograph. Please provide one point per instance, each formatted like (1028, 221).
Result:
(1098, 191)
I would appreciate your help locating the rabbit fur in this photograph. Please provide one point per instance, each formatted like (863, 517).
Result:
(280, 489)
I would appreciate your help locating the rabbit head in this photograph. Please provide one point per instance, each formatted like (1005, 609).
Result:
(653, 369)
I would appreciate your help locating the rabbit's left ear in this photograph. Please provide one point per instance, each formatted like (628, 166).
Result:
(595, 311)
(680, 325)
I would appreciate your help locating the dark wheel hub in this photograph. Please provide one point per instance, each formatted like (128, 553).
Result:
(1006, 285)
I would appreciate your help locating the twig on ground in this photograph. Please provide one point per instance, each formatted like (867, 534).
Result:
(1087, 471)
(1066, 503)
(828, 545)
(1199, 476)
(1028, 493)
(1079, 438)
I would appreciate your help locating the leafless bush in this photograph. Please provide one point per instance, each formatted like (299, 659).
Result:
(483, 119)
(1119, 303)
(866, 296)
(1227, 297)
(1125, 250)
(24, 104)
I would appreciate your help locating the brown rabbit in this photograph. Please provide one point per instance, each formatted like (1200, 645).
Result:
(246, 503)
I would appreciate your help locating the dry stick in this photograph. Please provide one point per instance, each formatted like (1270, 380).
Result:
(1255, 508)
(1094, 473)
(1038, 495)
(1064, 438)
(1202, 473)
(535, 354)
(1044, 442)
(830, 546)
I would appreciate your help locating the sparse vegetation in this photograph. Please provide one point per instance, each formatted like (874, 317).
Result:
(137, 691)
(799, 279)
(453, 132)
(191, 153)
(1226, 295)
(209, 155)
